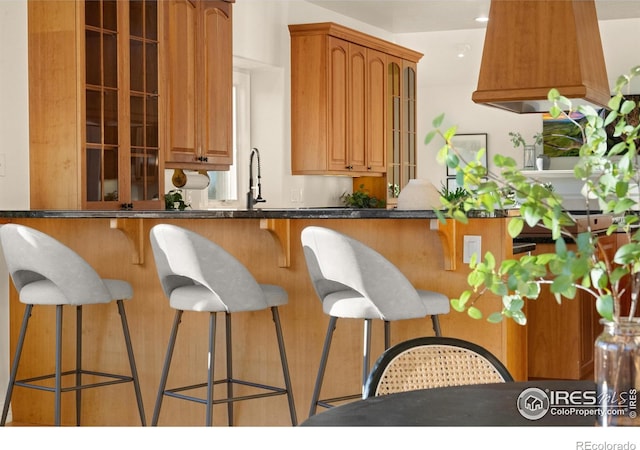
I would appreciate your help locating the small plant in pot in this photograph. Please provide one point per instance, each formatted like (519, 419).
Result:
(173, 200)
(611, 176)
(361, 199)
(449, 196)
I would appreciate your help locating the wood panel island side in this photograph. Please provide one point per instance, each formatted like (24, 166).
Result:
(117, 245)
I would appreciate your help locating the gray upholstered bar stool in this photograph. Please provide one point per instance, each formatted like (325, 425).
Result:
(46, 272)
(198, 275)
(354, 281)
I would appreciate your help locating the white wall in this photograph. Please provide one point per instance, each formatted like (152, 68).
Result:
(14, 144)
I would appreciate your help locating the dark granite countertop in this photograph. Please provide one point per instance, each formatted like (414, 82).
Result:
(523, 247)
(267, 213)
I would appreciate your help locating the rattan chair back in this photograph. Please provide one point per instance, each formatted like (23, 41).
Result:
(430, 362)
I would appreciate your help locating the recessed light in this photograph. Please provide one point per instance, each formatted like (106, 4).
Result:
(482, 19)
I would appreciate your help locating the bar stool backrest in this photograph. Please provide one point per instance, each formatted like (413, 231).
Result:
(185, 258)
(36, 260)
(337, 262)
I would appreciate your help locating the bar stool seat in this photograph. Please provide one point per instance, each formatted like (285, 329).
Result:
(354, 281)
(46, 272)
(200, 276)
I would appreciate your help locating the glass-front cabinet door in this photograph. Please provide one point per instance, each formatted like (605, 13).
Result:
(121, 146)
(408, 132)
(401, 127)
(143, 98)
(394, 157)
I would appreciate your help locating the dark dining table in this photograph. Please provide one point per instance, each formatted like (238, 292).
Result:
(529, 403)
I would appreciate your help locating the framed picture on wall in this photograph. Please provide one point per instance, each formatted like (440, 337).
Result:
(452, 184)
(468, 145)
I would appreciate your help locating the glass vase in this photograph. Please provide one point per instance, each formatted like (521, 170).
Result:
(617, 372)
(529, 160)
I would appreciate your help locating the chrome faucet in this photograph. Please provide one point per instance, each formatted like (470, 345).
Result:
(250, 200)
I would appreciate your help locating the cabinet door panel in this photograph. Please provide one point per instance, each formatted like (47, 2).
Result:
(561, 336)
(144, 163)
(393, 126)
(217, 84)
(199, 84)
(338, 92)
(181, 80)
(103, 114)
(357, 124)
(409, 135)
(376, 111)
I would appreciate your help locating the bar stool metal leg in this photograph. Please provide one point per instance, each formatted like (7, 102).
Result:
(229, 369)
(165, 369)
(436, 325)
(58, 374)
(285, 366)
(366, 352)
(323, 364)
(132, 361)
(211, 367)
(387, 334)
(14, 364)
(78, 370)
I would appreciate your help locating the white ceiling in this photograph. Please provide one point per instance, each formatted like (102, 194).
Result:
(409, 16)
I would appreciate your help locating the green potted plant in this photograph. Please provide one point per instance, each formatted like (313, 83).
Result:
(451, 196)
(173, 200)
(611, 176)
(361, 199)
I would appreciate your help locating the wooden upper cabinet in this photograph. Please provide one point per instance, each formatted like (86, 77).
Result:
(94, 105)
(198, 68)
(357, 108)
(347, 65)
(377, 98)
(339, 100)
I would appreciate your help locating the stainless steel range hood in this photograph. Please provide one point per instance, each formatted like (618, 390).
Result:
(532, 46)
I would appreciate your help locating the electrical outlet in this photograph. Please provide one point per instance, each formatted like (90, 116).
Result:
(471, 245)
(3, 162)
(296, 195)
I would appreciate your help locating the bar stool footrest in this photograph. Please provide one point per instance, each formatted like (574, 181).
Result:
(175, 392)
(116, 379)
(328, 402)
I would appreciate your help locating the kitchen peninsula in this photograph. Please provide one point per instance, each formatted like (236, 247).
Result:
(116, 244)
